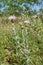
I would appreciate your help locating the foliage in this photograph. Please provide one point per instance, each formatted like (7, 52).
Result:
(18, 6)
(21, 43)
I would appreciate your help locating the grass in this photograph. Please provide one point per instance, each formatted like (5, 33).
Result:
(21, 44)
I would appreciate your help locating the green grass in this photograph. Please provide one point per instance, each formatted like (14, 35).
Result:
(21, 44)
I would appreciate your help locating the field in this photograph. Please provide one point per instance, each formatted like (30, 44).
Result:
(21, 43)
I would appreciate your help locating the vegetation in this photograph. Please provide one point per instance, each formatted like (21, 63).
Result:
(21, 43)
(21, 36)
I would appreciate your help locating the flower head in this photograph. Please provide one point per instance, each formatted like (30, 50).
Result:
(12, 17)
(35, 16)
(27, 21)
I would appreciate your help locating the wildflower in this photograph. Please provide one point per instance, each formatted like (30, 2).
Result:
(12, 17)
(35, 16)
(27, 21)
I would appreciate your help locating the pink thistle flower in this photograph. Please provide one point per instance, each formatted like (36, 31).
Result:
(12, 17)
